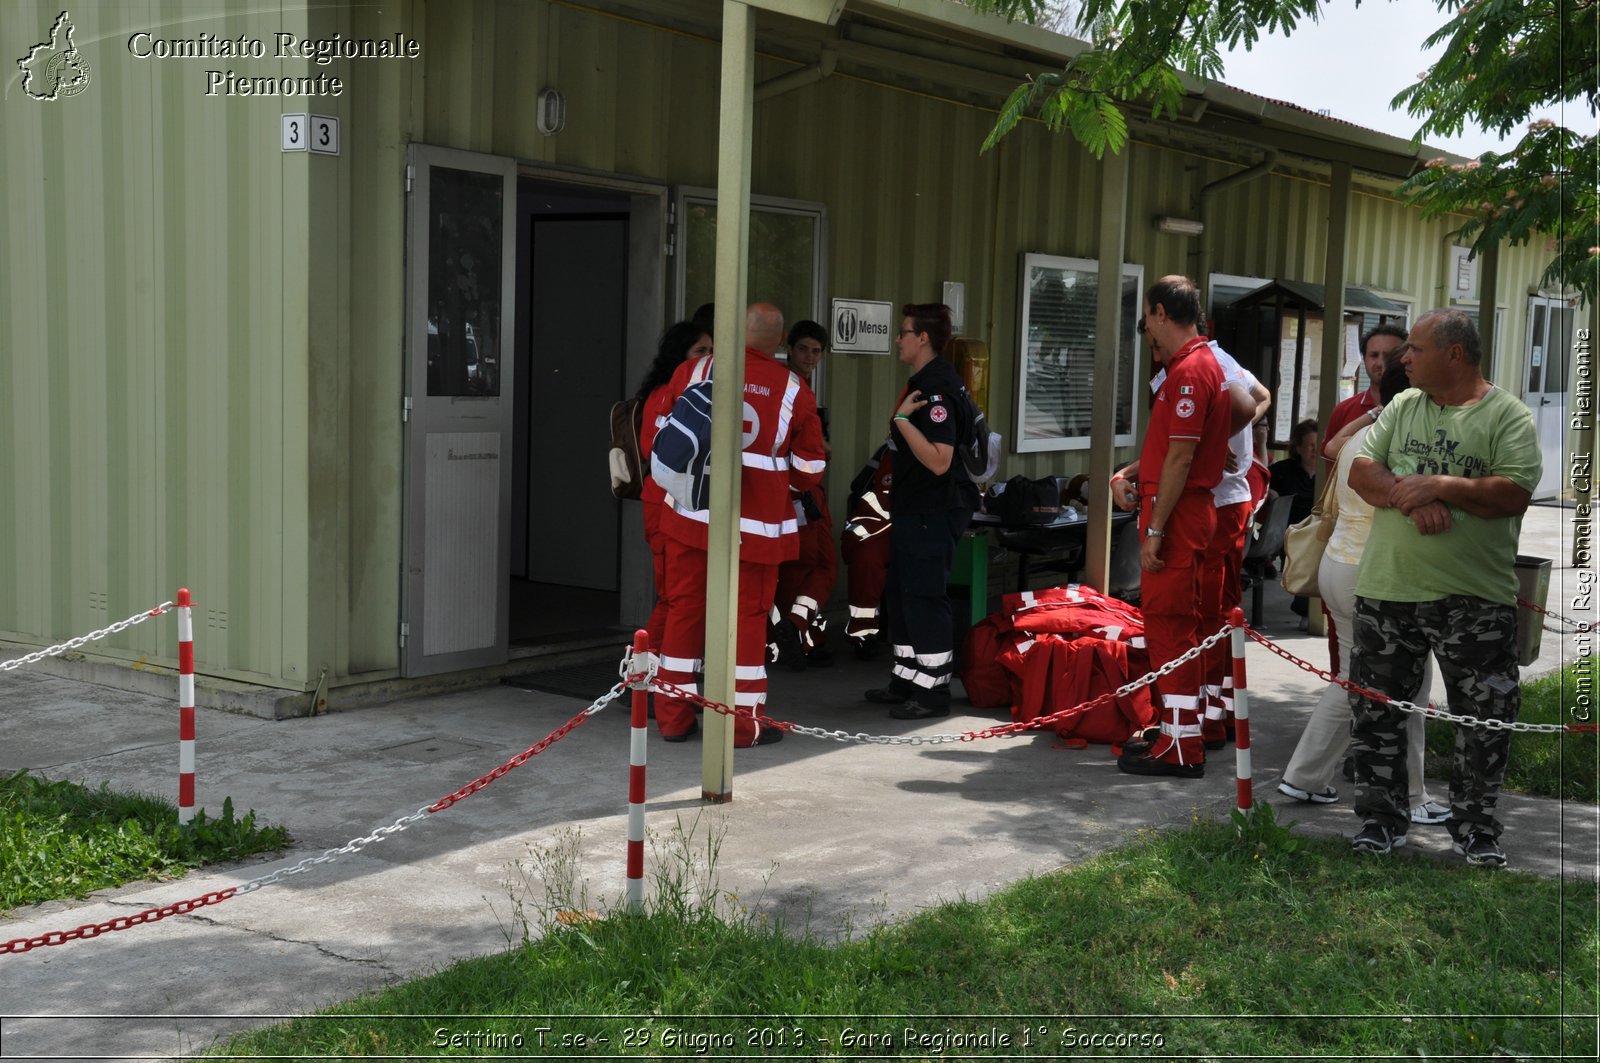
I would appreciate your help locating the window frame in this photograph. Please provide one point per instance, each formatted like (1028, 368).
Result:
(1053, 444)
(1232, 280)
(686, 196)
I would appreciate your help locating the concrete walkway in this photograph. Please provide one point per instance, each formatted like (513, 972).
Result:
(828, 834)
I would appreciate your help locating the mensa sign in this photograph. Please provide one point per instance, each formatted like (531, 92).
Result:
(862, 326)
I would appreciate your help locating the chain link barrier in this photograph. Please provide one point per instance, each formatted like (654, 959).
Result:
(1432, 712)
(1577, 627)
(84, 640)
(532, 751)
(327, 856)
(630, 679)
(1009, 730)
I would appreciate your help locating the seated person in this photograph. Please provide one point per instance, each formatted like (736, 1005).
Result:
(1296, 476)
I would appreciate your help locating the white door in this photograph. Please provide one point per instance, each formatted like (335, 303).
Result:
(1550, 324)
(461, 243)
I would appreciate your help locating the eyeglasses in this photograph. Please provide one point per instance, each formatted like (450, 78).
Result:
(1140, 325)
(908, 332)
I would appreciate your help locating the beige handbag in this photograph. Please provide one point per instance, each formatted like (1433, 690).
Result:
(1304, 543)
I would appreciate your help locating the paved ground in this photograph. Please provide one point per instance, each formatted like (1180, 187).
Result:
(826, 833)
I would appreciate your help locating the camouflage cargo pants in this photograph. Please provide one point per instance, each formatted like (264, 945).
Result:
(1474, 642)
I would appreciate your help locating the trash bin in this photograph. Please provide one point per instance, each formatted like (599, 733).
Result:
(1533, 585)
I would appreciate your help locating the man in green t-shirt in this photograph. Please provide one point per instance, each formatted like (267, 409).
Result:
(1450, 467)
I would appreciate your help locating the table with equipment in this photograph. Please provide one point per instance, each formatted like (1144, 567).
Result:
(1059, 545)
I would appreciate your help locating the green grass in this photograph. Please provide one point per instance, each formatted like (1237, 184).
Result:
(1195, 943)
(60, 839)
(1548, 765)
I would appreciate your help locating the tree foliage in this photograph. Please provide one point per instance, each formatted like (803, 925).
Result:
(1503, 61)
(1137, 49)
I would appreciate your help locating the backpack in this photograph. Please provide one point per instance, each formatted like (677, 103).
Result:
(627, 467)
(682, 448)
(977, 448)
(1026, 502)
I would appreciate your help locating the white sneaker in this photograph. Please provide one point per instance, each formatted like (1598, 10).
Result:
(1430, 812)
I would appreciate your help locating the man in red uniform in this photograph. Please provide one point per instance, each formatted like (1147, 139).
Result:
(806, 583)
(783, 449)
(1182, 459)
(1376, 348)
(864, 545)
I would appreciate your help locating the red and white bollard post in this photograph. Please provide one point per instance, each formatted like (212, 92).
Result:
(640, 732)
(185, 707)
(1241, 711)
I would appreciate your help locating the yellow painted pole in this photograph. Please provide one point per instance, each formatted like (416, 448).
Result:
(1108, 326)
(1333, 333)
(727, 393)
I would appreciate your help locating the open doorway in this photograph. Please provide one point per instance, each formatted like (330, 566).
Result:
(1550, 327)
(578, 336)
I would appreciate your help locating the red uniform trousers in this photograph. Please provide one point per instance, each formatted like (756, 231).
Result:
(1170, 599)
(868, 563)
(1220, 595)
(657, 624)
(683, 648)
(806, 583)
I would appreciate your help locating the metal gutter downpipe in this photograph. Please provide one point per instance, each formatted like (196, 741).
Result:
(796, 79)
(1203, 266)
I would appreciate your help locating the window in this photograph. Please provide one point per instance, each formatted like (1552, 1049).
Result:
(788, 247)
(1056, 396)
(1224, 288)
(1500, 312)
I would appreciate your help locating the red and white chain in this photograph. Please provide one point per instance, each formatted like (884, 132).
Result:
(1577, 626)
(1009, 730)
(84, 640)
(1432, 712)
(355, 845)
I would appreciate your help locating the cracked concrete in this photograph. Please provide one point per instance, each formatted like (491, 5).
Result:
(827, 834)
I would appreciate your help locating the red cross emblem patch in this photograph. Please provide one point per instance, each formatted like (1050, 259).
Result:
(938, 414)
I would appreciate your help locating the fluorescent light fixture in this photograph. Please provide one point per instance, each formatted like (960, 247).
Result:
(1179, 226)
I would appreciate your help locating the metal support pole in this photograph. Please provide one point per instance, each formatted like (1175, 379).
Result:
(1333, 331)
(727, 391)
(1108, 326)
(185, 707)
(1241, 713)
(639, 734)
(1488, 282)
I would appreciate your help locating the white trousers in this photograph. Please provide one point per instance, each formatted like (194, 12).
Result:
(1323, 743)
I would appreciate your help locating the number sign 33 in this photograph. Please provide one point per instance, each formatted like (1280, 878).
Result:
(310, 132)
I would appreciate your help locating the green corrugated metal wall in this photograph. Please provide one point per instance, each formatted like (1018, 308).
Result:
(207, 388)
(146, 331)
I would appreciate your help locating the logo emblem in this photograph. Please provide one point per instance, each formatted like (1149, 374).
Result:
(752, 426)
(1185, 408)
(845, 325)
(55, 69)
(938, 414)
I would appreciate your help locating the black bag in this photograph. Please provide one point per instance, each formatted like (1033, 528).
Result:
(627, 465)
(977, 448)
(1026, 502)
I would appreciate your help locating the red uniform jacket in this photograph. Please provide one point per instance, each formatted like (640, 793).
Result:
(782, 449)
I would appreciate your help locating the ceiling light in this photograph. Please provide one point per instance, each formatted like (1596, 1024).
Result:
(1179, 226)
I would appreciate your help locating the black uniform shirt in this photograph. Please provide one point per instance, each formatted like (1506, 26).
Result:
(916, 488)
